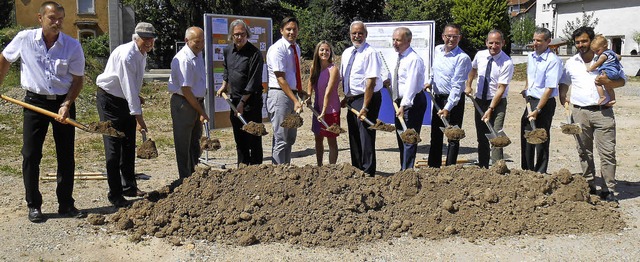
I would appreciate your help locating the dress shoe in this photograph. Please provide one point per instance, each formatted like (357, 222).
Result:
(71, 212)
(608, 196)
(120, 202)
(35, 215)
(134, 192)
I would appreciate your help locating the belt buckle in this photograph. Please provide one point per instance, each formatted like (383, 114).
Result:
(52, 97)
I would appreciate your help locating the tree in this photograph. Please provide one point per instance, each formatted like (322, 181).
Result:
(436, 10)
(477, 18)
(636, 38)
(7, 13)
(570, 26)
(318, 22)
(522, 30)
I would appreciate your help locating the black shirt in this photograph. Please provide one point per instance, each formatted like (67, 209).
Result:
(243, 71)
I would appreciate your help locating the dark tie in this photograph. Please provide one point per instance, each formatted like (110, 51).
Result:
(297, 61)
(394, 86)
(347, 72)
(487, 76)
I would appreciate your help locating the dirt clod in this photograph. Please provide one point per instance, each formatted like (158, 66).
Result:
(105, 128)
(379, 125)
(292, 121)
(96, 219)
(410, 136)
(336, 129)
(537, 136)
(500, 167)
(454, 133)
(256, 129)
(147, 150)
(571, 129)
(500, 141)
(209, 144)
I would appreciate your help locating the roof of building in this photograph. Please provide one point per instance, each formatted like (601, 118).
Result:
(564, 1)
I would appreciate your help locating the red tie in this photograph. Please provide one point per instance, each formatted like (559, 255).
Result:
(298, 78)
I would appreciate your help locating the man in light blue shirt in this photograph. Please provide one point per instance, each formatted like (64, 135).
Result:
(544, 70)
(450, 69)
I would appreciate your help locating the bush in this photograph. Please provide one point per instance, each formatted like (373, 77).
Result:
(7, 34)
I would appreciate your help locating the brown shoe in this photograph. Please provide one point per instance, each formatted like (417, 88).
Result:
(134, 192)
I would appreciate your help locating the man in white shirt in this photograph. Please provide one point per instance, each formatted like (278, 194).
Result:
(119, 101)
(450, 70)
(360, 71)
(283, 67)
(494, 69)
(188, 85)
(52, 73)
(406, 91)
(597, 121)
(544, 69)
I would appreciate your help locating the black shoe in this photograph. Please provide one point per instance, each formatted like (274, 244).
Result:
(134, 192)
(71, 212)
(35, 215)
(592, 190)
(120, 202)
(608, 196)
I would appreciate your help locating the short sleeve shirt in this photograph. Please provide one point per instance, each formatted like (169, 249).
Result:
(187, 69)
(501, 72)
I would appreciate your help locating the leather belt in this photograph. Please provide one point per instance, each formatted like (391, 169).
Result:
(593, 107)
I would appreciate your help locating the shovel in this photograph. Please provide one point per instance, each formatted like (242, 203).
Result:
(148, 148)
(337, 130)
(408, 136)
(570, 128)
(536, 135)
(206, 143)
(379, 125)
(459, 133)
(55, 115)
(493, 134)
(256, 129)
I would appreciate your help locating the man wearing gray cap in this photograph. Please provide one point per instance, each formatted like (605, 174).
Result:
(119, 101)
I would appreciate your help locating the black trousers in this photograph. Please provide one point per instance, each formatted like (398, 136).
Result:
(35, 126)
(536, 157)
(413, 119)
(362, 140)
(119, 151)
(248, 146)
(455, 118)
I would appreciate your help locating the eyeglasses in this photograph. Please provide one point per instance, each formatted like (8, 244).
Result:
(451, 37)
(239, 35)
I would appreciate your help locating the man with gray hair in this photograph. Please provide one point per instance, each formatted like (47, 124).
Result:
(361, 79)
(119, 101)
(242, 79)
(188, 85)
(544, 70)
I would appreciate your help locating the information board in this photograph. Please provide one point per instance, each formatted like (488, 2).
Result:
(216, 28)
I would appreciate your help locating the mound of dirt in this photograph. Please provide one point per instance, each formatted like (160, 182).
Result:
(379, 125)
(336, 129)
(454, 133)
(256, 129)
(410, 136)
(292, 121)
(209, 144)
(537, 136)
(147, 150)
(340, 206)
(500, 141)
(571, 129)
(105, 128)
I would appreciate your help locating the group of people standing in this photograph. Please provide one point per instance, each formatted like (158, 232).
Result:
(52, 72)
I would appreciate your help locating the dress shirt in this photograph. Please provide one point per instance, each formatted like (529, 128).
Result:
(501, 72)
(243, 70)
(410, 76)
(46, 72)
(280, 59)
(367, 64)
(122, 77)
(449, 72)
(583, 87)
(543, 71)
(187, 69)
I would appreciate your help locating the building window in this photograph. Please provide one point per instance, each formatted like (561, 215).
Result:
(86, 7)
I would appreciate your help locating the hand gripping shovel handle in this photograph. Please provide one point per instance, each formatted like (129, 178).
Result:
(315, 113)
(363, 118)
(226, 98)
(532, 121)
(475, 104)
(433, 101)
(44, 112)
(400, 118)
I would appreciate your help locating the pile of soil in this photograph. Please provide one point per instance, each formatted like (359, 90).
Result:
(454, 133)
(410, 136)
(336, 129)
(209, 144)
(340, 206)
(571, 129)
(537, 136)
(379, 125)
(105, 128)
(292, 121)
(256, 129)
(500, 141)
(148, 150)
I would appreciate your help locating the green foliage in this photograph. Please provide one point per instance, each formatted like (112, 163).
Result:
(477, 18)
(7, 34)
(96, 46)
(570, 26)
(636, 37)
(318, 22)
(522, 30)
(7, 13)
(436, 10)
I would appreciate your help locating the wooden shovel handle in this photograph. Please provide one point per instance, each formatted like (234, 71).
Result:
(42, 111)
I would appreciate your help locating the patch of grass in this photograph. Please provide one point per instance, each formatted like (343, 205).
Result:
(12, 79)
(10, 170)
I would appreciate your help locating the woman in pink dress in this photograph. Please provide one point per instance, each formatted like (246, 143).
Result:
(324, 82)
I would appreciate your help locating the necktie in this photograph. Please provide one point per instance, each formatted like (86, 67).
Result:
(394, 86)
(347, 72)
(297, 61)
(487, 76)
